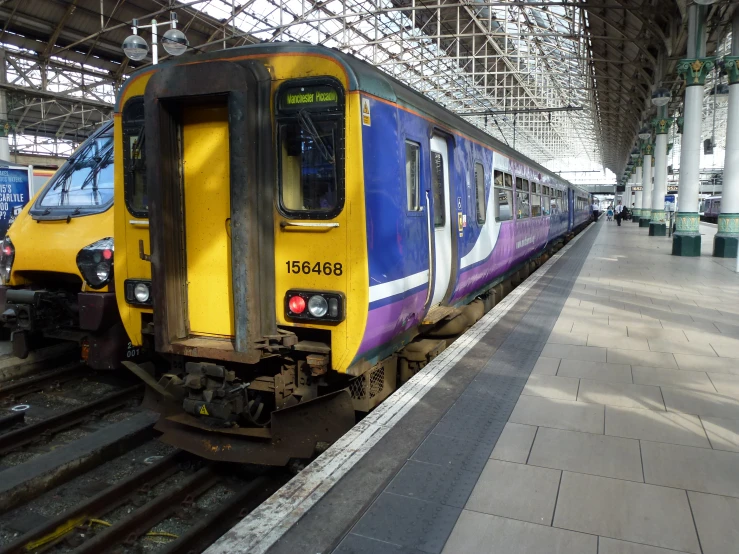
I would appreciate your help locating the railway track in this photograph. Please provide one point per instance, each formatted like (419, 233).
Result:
(125, 514)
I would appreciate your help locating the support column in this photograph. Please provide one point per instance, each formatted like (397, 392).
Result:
(626, 196)
(658, 223)
(646, 212)
(4, 124)
(687, 239)
(638, 194)
(727, 239)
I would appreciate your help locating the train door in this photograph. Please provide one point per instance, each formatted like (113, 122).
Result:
(571, 206)
(206, 184)
(442, 222)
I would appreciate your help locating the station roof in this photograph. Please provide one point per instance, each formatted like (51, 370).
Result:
(554, 79)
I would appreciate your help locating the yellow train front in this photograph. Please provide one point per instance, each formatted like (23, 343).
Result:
(56, 264)
(291, 225)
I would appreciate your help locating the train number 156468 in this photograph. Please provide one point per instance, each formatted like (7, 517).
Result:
(322, 268)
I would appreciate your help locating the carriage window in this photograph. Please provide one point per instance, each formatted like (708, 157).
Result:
(503, 196)
(310, 138)
(480, 192)
(437, 186)
(86, 181)
(522, 205)
(545, 205)
(134, 158)
(522, 184)
(534, 187)
(535, 205)
(412, 176)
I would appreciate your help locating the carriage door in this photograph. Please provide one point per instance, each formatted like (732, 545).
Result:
(442, 222)
(206, 179)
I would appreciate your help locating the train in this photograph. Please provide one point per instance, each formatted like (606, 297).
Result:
(297, 233)
(56, 261)
(710, 209)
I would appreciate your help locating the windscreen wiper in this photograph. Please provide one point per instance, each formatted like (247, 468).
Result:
(306, 123)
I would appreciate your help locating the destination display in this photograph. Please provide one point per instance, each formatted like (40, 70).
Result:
(319, 97)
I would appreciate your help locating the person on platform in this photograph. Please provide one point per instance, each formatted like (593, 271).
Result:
(619, 213)
(609, 213)
(596, 211)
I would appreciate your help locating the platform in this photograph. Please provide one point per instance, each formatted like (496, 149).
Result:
(595, 410)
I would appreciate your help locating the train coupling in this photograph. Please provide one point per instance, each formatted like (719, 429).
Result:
(214, 392)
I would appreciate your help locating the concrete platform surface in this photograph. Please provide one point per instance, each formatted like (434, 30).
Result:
(595, 411)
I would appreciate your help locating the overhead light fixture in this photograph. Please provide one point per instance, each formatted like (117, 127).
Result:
(174, 41)
(705, 2)
(635, 153)
(645, 133)
(661, 97)
(134, 47)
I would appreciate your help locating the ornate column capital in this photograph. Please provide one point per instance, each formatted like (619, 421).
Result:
(662, 125)
(647, 148)
(695, 71)
(731, 64)
(639, 161)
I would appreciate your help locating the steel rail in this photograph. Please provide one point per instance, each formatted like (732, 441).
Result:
(24, 435)
(111, 498)
(140, 521)
(39, 382)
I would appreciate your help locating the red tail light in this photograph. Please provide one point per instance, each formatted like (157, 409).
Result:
(296, 305)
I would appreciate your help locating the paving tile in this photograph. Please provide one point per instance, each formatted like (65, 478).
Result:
(706, 326)
(686, 467)
(467, 455)
(663, 334)
(654, 425)
(587, 453)
(612, 546)
(355, 544)
(620, 394)
(444, 485)
(702, 403)
(725, 383)
(640, 358)
(546, 366)
(636, 512)
(635, 322)
(713, 364)
(485, 534)
(600, 327)
(586, 353)
(626, 343)
(514, 443)
(560, 414)
(408, 522)
(725, 349)
(550, 386)
(717, 520)
(518, 491)
(678, 347)
(672, 378)
(723, 433)
(558, 337)
(599, 371)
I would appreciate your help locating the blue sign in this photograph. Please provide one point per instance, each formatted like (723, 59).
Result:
(670, 198)
(13, 195)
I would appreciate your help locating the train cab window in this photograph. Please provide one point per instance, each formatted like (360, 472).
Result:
(523, 204)
(310, 148)
(503, 183)
(480, 192)
(134, 158)
(85, 184)
(437, 186)
(412, 175)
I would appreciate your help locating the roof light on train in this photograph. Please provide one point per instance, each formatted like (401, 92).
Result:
(317, 305)
(296, 304)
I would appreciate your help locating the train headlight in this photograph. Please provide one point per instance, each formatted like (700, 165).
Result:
(138, 291)
(7, 256)
(95, 263)
(314, 306)
(141, 293)
(317, 305)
